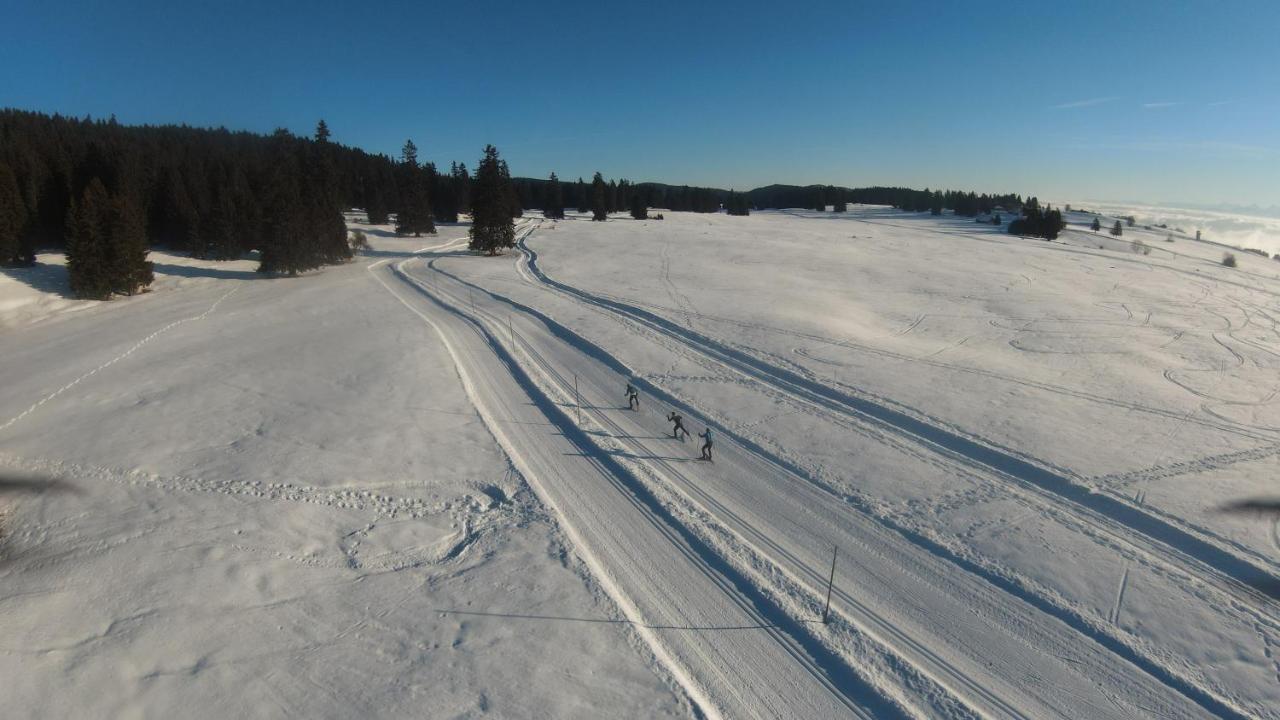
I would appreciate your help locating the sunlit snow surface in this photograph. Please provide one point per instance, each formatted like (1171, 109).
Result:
(282, 497)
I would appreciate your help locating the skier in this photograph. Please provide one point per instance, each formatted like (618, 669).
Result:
(706, 446)
(633, 397)
(679, 426)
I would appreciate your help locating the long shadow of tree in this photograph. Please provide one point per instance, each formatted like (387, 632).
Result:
(42, 277)
(193, 271)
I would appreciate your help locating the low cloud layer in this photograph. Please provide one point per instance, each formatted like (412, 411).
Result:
(1230, 228)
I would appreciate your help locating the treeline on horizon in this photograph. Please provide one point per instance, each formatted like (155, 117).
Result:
(105, 192)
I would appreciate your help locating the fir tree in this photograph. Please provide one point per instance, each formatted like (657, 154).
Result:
(322, 132)
(638, 209)
(222, 228)
(492, 228)
(88, 243)
(553, 206)
(282, 247)
(462, 188)
(1097, 225)
(414, 215)
(1051, 224)
(737, 204)
(599, 199)
(130, 271)
(409, 153)
(582, 193)
(444, 196)
(1117, 229)
(13, 219)
(513, 198)
(326, 234)
(174, 218)
(375, 208)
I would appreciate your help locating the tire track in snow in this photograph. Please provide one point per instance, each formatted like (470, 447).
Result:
(53, 395)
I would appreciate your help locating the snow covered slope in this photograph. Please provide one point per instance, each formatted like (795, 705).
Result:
(411, 484)
(1024, 429)
(283, 505)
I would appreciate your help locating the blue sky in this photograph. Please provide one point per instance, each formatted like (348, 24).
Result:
(1148, 101)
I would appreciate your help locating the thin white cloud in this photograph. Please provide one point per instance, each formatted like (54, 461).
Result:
(1219, 103)
(1159, 105)
(1083, 103)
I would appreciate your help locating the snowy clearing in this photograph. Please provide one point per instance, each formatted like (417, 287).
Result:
(413, 481)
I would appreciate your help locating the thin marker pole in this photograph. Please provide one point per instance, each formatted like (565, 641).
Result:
(511, 328)
(577, 399)
(830, 581)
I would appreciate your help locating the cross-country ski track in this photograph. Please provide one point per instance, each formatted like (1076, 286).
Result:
(732, 652)
(722, 566)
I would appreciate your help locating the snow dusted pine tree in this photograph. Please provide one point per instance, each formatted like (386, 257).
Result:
(492, 228)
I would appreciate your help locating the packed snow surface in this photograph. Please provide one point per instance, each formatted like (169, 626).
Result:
(411, 485)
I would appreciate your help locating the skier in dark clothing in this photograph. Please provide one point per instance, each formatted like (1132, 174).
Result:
(706, 446)
(678, 428)
(633, 397)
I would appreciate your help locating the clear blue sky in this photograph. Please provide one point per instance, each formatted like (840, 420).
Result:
(1125, 100)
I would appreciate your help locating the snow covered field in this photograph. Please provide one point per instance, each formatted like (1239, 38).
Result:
(410, 485)
(283, 505)
(1257, 228)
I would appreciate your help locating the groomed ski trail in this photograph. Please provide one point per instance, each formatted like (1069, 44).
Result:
(732, 652)
(1172, 544)
(994, 651)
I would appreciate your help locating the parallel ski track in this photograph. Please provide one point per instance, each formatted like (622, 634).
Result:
(805, 651)
(1176, 546)
(809, 577)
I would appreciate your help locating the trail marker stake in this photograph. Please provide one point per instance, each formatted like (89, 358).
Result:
(577, 399)
(830, 581)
